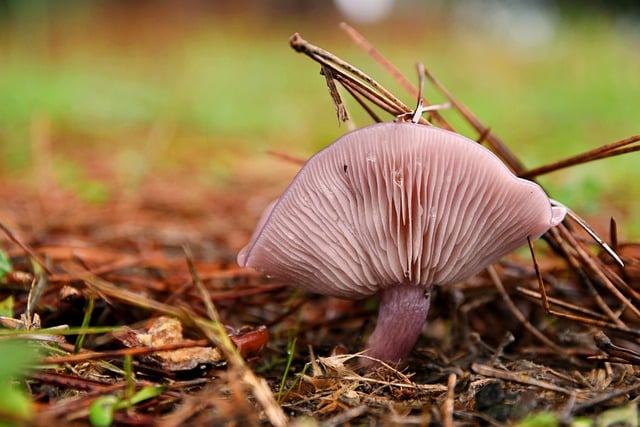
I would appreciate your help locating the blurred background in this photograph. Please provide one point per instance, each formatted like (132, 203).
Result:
(97, 96)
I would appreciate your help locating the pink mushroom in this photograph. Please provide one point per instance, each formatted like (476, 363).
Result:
(394, 209)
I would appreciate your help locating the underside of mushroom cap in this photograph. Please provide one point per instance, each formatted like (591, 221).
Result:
(396, 203)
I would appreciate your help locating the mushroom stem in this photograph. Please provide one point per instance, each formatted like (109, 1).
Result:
(401, 315)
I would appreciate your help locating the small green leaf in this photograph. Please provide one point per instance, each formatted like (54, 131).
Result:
(622, 415)
(5, 265)
(6, 306)
(101, 411)
(148, 392)
(15, 357)
(15, 402)
(582, 422)
(539, 419)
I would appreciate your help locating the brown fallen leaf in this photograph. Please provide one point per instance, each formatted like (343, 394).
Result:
(165, 330)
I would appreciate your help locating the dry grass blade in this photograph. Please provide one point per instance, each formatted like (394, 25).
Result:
(603, 152)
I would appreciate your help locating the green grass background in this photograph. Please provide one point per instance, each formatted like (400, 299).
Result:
(149, 90)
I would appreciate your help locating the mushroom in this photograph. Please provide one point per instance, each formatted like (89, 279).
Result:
(395, 209)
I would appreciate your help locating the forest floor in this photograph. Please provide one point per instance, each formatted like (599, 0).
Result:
(122, 302)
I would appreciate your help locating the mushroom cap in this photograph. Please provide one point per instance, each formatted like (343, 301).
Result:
(396, 204)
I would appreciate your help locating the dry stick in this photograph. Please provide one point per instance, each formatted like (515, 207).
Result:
(506, 340)
(428, 388)
(361, 41)
(241, 293)
(565, 413)
(517, 378)
(66, 406)
(619, 281)
(292, 309)
(518, 315)
(124, 263)
(377, 98)
(212, 311)
(420, 107)
(605, 151)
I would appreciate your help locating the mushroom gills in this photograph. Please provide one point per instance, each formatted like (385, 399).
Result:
(394, 209)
